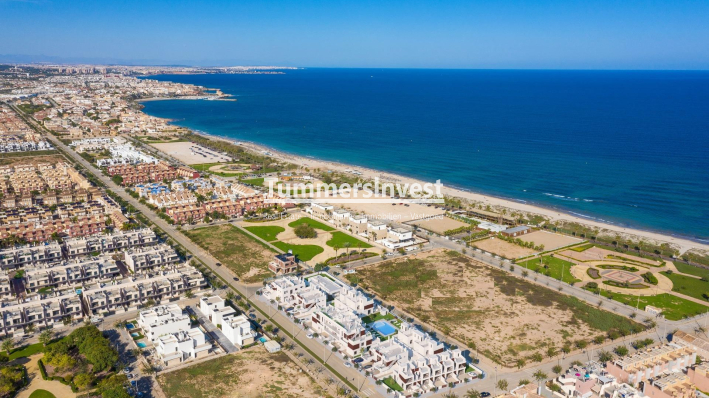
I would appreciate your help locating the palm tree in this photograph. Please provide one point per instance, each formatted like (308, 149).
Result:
(539, 376)
(472, 394)
(45, 337)
(502, 384)
(336, 247)
(347, 246)
(8, 344)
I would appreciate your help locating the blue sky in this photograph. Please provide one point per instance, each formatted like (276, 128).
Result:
(564, 34)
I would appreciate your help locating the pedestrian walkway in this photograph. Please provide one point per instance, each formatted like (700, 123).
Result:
(214, 332)
(37, 383)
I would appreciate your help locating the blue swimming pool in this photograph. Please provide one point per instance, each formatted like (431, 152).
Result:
(130, 326)
(262, 339)
(141, 344)
(384, 328)
(135, 334)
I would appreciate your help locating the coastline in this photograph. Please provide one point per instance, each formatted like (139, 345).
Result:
(683, 244)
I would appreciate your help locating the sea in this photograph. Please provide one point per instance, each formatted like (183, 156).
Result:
(629, 148)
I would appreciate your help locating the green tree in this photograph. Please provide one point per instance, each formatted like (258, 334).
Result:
(472, 394)
(45, 337)
(502, 384)
(557, 369)
(8, 344)
(604, 356)
(84, 380)
(621, 350)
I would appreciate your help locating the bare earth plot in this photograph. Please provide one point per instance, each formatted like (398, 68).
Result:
(506, 317)
(253, 373)
(245, 256)
(440, 224)
(190, 153)
(550, 240)
(597, 254)
(502, 248)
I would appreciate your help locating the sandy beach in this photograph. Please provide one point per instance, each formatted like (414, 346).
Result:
(554, 215)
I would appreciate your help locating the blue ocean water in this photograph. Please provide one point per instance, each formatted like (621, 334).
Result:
(626, 147)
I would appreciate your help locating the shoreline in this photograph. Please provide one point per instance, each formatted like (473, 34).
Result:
(683, 243)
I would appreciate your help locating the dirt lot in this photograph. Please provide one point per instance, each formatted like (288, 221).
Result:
(598, 254)
(440, 224)
(506, 317)
(550, 240)
(27, 158)
(190, 153)
(502, 248)
(245, 256)
(268, 375)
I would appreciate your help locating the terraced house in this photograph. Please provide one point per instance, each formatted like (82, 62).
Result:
(50, 312)
(148, 258)
(70, 273)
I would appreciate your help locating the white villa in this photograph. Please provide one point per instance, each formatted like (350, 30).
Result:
(236, 328)
(163, 320)
(416, 361)
(182, 346)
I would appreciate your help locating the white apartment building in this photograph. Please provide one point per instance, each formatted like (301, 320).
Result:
(416, 361)
(397, 238)
(343, 328)
(50, 312)
(177, 347)
(30, 254)
(117, 240)
(163, 320)
(341, 217)
(236, 328)
(376, 229)
(148, 258)
(70, 273)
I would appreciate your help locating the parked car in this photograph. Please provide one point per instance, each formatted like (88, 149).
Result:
(358, 360)
(309, 335)
(484, 394)
(348, 365)
(219, 264)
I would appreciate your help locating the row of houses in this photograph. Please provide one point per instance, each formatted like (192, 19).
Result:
(52, 312)
(74, 247)
(132, 292)
(143, 172)
(360, 224)
(67, 274)
(229, 207)
(236, 327)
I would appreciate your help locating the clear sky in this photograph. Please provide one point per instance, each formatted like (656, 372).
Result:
(567, 34)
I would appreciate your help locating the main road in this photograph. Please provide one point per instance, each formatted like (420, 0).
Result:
(351, 375)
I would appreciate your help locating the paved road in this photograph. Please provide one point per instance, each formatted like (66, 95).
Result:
(513, 376)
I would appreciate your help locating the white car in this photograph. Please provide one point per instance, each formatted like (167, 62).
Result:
(309, 335)
(348, 365)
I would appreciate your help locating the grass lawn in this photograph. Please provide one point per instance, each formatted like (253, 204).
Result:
(582, 247)
(313, 223)
(235, 249)
(674, 308)
(26, 351)
(269, 233)
(339, 239)
(42, 394)
(692, 270)
(391, 383)
(376, 317)
(692, 287)
(254, 181)
(552, 266)
(303, 252)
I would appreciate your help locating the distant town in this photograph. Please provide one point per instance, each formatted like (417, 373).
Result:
(140, 258)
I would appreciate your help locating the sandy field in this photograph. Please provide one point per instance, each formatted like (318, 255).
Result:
(389, 212)
(550, 240)
(502, 248)
(439, 225)
(552, 215)
(190, 153)
(269, 375)
(506, 317)
(598, 254)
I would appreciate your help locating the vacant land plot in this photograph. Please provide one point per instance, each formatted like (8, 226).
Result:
(11, 159)
(506, 317)
(596, 253)
(267, 233)
(551, 266)
(313, 223)
(190, 153)
(440, 224)
(394, 212)
(550, 240)
(502, 248)
(248, 374)
(341, 239)
(689, 285)
(244, 255)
